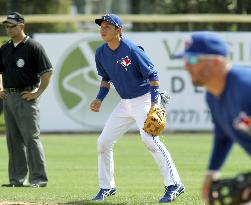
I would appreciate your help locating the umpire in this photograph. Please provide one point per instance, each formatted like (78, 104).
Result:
(26, 71)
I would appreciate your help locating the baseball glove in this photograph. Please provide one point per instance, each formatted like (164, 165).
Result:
(155, 121)
(232, 191)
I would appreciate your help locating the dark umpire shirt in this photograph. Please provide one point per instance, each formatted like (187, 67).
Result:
(22, 66)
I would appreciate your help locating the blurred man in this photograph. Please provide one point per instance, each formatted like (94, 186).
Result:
(124, 64)
(26, 72)
(228, 97)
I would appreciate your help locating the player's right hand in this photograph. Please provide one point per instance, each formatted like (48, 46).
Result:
(95, 105)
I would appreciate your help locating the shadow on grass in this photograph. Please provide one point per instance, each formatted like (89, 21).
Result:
(89, 202)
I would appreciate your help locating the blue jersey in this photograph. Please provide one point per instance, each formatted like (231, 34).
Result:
(127, 68)
(231, 113)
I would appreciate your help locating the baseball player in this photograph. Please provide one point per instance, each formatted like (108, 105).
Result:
(26, 72)
(122, 63)
(228, 97)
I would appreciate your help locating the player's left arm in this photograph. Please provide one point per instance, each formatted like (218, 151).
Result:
(154, 88)
(148, 71)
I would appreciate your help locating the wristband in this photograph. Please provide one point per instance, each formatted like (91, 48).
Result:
(102, 93)
(154, 94)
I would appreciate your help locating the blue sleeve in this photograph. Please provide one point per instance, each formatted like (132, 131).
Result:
(142, 62)
(221, 147)
(221, 142)
(100, 69)
(154, 76)
(245, 87)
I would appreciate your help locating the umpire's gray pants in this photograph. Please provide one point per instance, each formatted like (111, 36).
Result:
(26, 153)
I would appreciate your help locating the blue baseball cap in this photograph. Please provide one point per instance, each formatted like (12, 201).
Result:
(204, 43)
(111, 18)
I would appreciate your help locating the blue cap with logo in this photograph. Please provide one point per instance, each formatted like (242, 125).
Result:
(204, 43)
(111, 18)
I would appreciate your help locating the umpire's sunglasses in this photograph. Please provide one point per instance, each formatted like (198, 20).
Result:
(10, 25)
(194, 59)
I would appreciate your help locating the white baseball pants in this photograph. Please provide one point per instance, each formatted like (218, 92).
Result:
(123, 116)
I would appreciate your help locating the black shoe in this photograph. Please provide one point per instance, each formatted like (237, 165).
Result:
(12, 185)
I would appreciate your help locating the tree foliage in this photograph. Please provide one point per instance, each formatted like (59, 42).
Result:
(40, 7)
(137, 7)
(191, 7)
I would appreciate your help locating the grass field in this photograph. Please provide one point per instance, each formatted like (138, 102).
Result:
(72, 169)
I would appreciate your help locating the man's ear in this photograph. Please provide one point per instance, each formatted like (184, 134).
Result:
(119, 30)
(218, 60)
(22, 26)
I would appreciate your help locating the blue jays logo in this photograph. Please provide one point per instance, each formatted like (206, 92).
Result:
(125, 62)
(243, 123)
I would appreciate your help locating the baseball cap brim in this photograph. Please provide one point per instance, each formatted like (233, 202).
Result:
(184, 54)
(10, 21)
(99, 21)
(111, 18)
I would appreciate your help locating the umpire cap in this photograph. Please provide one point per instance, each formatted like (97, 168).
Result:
(14, 18)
